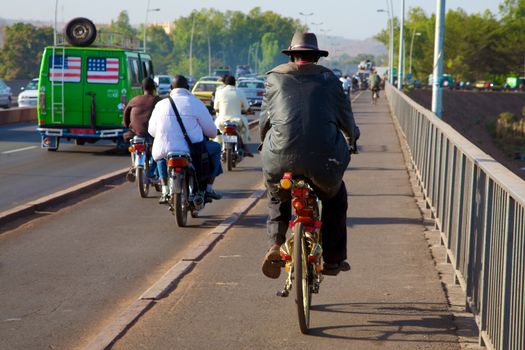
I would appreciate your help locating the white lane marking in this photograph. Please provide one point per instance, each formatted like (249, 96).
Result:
(355, 98)
(19, 150)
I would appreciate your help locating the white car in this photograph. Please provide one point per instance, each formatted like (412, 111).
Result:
(253, 89)
(5, 95)
(163, 83)
(29, 96)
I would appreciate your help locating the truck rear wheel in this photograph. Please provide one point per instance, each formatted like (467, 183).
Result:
(80, 31)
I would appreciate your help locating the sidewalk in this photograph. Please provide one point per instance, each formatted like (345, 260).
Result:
(392, 298)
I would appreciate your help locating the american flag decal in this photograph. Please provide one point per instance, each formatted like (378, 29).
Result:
(102, 70)
(69, 71)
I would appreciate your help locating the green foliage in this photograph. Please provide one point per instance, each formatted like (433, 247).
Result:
(235, 38)
(270, 51)
(22, 52)
(477, 46)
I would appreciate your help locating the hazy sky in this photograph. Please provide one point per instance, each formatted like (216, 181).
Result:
(353, 19)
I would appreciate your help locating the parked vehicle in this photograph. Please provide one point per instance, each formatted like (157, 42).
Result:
(163, 83)
(141, 166)
(482, 85)
(515, 83)
(29, 95)
(83, 89)
(253, 90)
(205, 90)
(185, 194)
(5, 95)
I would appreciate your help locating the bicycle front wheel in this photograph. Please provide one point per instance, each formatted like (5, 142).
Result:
(303, 279)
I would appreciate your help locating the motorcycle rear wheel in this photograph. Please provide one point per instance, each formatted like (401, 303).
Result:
(229, 159)
(142, 182)
(303, 278)
(181, 203)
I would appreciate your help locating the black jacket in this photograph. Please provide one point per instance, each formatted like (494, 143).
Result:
(306, 124)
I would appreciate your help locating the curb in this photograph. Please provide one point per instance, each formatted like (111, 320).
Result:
(168, 282)
(44, 202)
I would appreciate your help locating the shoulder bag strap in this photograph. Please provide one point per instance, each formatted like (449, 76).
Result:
(186, 137)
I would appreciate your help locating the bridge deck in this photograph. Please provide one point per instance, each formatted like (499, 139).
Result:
(392, 298)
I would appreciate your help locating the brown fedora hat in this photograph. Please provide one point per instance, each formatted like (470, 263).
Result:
(305, 42)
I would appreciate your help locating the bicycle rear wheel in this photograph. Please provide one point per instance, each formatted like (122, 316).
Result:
(303, 279)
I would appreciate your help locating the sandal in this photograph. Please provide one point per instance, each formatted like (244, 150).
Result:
(272, 263)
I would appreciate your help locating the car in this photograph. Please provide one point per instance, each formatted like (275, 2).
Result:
(5, 95)
(29, 95)
(211, 78)
(204, 90)
(242, 70)
(163, 83)
(253, 90)
(222, 71)
(482, 85)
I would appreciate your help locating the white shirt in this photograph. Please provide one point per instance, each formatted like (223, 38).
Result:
(164, 127)
(230, 101)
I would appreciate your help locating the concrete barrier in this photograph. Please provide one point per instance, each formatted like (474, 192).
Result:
(17, 115)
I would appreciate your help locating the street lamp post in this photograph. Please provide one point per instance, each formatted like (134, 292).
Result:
(438, 58)
(316, 25)
(390, 44)
(400, 73)
(148, 10)
(305, 16)
(414, 34)
(191, 45)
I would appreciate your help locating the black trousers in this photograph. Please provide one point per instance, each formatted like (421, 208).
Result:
(333, 223)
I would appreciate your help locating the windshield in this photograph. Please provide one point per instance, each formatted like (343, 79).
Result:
(205, 87)
(164, 80)
(251, 84)
(32, 85)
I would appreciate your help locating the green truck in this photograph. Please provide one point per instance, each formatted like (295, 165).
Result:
(83, 88)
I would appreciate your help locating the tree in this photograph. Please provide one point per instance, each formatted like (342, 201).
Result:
(160, 47)
(269, 50)
(23, 48)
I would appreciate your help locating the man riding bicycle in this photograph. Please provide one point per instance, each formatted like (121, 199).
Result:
(306, 126)
(375, 83)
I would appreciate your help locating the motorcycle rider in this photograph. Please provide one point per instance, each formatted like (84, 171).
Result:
(306, 125)
(229, 104)
(168, 137)
(136, 117)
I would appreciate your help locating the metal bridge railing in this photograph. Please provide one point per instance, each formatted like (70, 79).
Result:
(479, 208)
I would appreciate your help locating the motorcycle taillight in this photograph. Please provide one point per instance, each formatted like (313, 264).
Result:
(229, 130)
(178, 162)
(140, 147)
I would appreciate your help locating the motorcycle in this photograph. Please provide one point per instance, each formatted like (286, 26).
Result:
(141, 163)
(185, 194)
(232, 151)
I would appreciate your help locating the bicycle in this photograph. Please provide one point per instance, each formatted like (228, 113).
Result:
(375, 96)
(302, 252)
